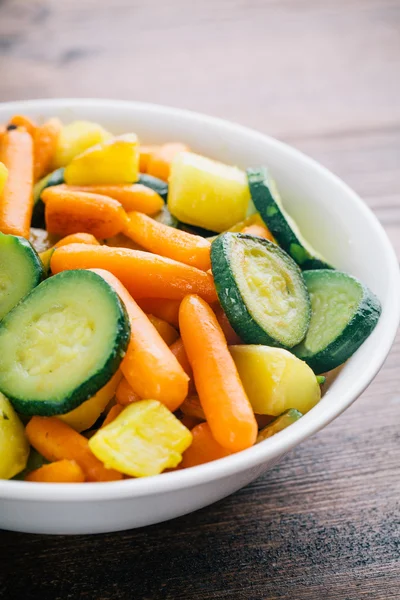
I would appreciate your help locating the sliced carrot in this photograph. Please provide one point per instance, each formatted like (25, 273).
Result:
(55, 440)
(260, 231)
(168, 241)
(143, 274)
(163, 308)
(133, 196)
(159, 164)
(24, 121)
(230, 334)
(189, 422)
(16, 152)
(222, 396)
(168, 333)
(61, 471)
(145, 153)
(74, 212)
(112, 414)
(203, 449)
(77, 238)
(125, 394)
(45, 141)
(149, 365)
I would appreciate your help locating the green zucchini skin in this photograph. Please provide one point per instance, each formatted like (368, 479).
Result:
(20, 269)
(205, 233)
(279, 424)
(70, 386)
(54, 178)
(263, 194)
(165, 217)
(231, 299)
(158, 185)
(352, 336)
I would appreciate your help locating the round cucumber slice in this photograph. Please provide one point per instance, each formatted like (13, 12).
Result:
(261, 290)
(343, 314)
(62, 343)
(265, 196)
(20, 271)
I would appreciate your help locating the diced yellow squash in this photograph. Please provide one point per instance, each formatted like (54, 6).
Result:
(278, 424)
(86, 414)
(14, 446)
(3, 177)
(77, 137)
(143, 440)
(275, 380)
(206, 193)
(113, 161)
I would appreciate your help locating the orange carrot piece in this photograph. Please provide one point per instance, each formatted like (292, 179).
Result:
(149, 365)
(16, 152)
(178, 350)
(45, 141)
(260, 231)
(3, 129)
(203, 449)
(74, 212)
(112, 414)
(189, 422)
(61, 471)
(163, 308)
(167, 241)
(125, 394)
(168, 333)
(230, 334)
(55, 440)
(222, 396)
(24, 121)
(77, 238)
(159, 164)
(145, 153)
(143, 274)
(192, 407)
(133, 196)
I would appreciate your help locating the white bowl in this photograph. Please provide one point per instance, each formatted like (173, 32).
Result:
(336, 222)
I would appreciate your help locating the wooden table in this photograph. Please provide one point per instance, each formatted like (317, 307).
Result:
(324, 76)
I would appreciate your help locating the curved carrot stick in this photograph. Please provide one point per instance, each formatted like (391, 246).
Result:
(203, 449)
(143, 274)
(112, 414)
(230, 334)
(16, 152)
(167, 241)
(77, 238)
(163, 308)
(24, 121)
(259, 230)
(149, 365)
(159, 164)
(61, 471)
(145, 153)
(224, 401)
(45, 141)
(125, 394)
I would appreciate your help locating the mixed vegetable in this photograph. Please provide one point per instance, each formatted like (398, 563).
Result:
(158, 309)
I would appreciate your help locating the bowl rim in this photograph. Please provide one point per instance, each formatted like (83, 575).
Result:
(271, 448)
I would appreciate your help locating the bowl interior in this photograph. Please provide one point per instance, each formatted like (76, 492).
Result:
(330, 215)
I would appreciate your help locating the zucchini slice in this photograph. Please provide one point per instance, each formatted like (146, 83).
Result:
(265, 196)
(20, 271)
(54, 178)
(261, 290)
(62, 343)
(165, 217)
(279, 424)
(158, 185)
(343, 314)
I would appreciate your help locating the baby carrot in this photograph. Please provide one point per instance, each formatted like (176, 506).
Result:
(24, 121)
(178, 350)
(45, 141)
(149, 365)
(230, 334)
(133, 196)
(163, 308)
(192, 407)
(260, 231)
(16, 152)
(143, 274)
(167, 241)
(203, 449)
(77, 238)
(168, 333)
(189, 422)
(73, 212)
(112, 414)
(55, 440)
(223, 399)
(125, 394)
(159, 164)
(145, 153)
(61, 471)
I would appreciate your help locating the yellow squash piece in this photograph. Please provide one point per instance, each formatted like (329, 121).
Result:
(86, 414)
(14, 446)
(207, 193)
(279, 424)
(3, 176)
(275, 380)
(77, 137)
(143, 440)
(113, 161)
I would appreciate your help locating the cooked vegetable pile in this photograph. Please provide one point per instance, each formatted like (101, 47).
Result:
(158, 309)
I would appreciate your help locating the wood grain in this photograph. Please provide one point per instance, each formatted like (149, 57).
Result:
(324, 76)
